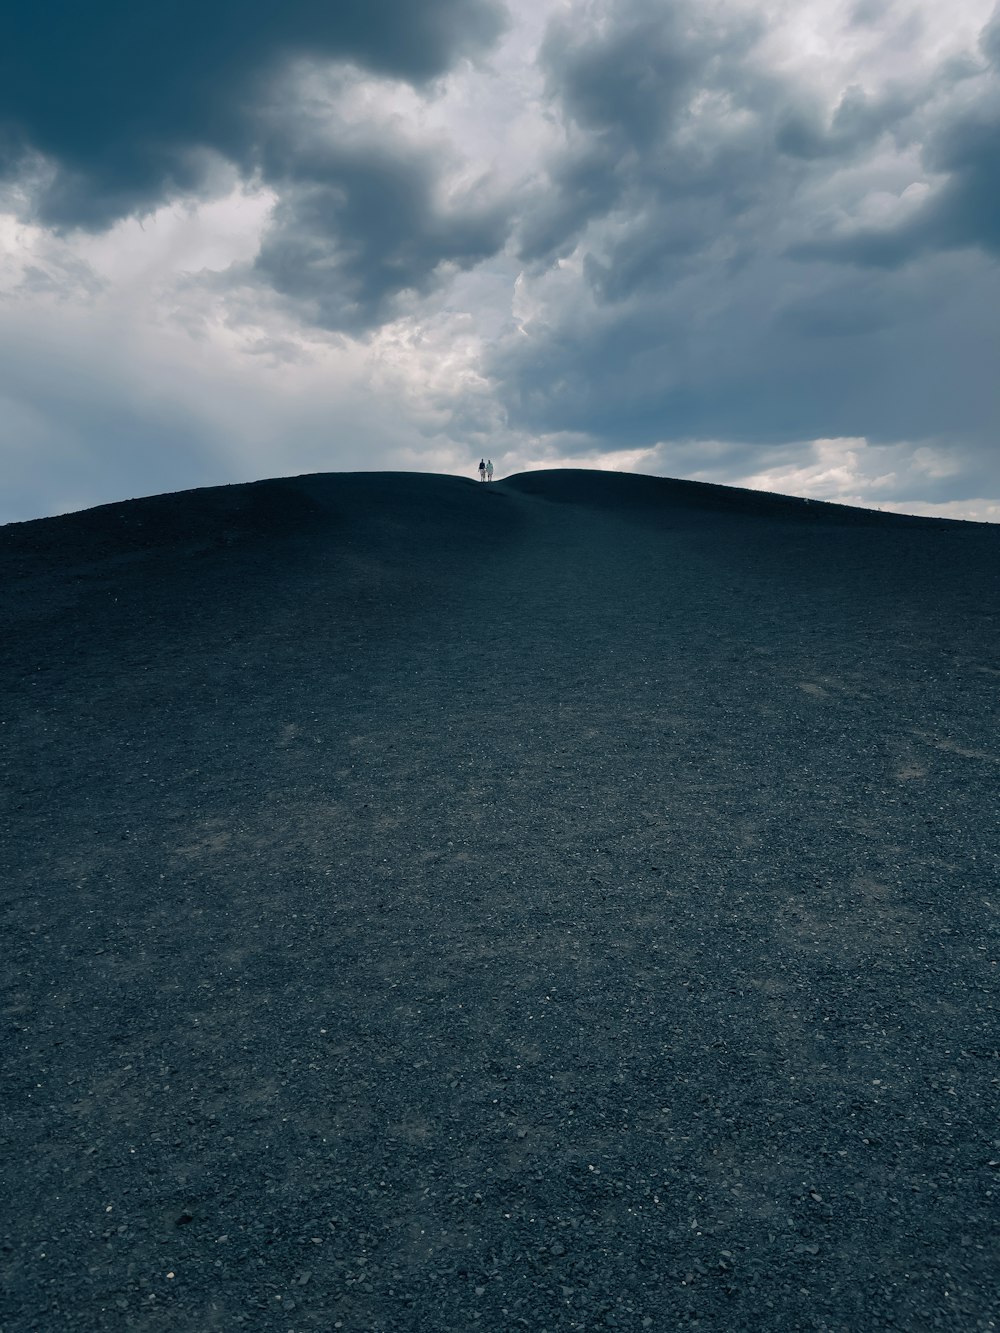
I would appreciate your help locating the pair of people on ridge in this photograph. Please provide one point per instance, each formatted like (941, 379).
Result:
(486, 470)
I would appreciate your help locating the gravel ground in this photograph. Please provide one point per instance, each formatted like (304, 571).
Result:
(569, 903)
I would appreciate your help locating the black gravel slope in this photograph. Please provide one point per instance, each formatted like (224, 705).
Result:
(563, 904)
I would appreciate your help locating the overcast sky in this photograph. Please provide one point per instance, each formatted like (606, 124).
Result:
(746, 241)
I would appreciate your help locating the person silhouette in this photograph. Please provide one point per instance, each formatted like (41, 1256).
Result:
(489, 469)
(482, 470)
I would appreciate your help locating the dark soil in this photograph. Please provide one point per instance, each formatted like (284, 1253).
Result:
(568, 903)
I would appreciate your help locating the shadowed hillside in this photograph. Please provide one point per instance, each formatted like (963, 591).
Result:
(563, 903)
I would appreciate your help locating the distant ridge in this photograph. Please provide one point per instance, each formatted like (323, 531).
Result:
(627, 489)
(204, 517)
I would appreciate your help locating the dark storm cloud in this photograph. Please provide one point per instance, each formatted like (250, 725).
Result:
(623, 90)
(962, 212)
(121, 97)
(697, 297)
(582, 185)
(629, 90)
(738, 362)
(861, 304)
(629, 82)
(857, 123)
(967, 210)
(355, 228)
(632, 94)
(989, 41)
(138, 102)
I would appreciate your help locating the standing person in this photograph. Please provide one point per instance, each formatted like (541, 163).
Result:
(489, 469)
(482, 470)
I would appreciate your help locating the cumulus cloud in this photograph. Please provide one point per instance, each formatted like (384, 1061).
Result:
(961, 212)
(676, 286)
(368, 211)
(144, 105)
(121, 98)
(649, 99)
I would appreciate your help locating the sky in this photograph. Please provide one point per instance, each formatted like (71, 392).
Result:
(753, 242)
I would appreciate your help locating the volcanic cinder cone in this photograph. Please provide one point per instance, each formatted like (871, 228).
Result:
(563, 903)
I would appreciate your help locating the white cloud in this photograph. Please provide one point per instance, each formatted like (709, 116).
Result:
(179, 238)
(854, 472)
(822, 42)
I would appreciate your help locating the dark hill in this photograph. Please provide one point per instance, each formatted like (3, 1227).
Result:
(626, 491)
(563, 903)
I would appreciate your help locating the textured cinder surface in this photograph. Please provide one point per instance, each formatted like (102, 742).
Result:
(569, 903)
